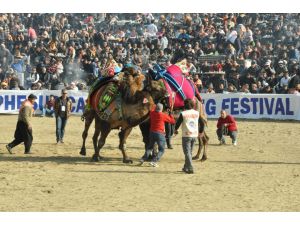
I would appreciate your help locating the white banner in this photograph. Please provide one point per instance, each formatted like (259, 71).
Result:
(254, 106)
(10, 101)
(248, 106)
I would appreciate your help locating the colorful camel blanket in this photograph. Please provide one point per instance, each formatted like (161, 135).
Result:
(179, 88)
(185, 86)
(112, 68)
(104, 100)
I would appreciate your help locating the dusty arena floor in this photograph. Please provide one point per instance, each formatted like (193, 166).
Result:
(261, 174)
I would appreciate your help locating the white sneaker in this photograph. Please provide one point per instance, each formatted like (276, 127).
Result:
(154, 164)
(234, 143)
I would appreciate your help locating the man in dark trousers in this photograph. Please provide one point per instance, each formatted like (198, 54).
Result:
(157, 133)
(62, 108)
(169, 128)
(23, 131)
(192, 127)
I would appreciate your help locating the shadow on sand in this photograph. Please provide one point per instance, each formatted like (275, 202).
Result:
(58, 159)
(260, 162)
(145, 169)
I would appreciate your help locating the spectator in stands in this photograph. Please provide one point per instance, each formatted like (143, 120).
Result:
(210, 89)
(33, 77)
(247, 79)
(14, 82)
(245, 88)
(220, 89)
(268, 69)
(267, 89)
(254, 89)
(76, 44)
(198, 83)
(294, 84)
(4, 85)
(72, 86)
(234, 80)
(222, 80)
(254, 69)
(231, 88)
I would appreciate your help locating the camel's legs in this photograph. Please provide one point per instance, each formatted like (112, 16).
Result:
(202, 154)
(96, 155)
(197, 156)
(89, 117)
(123, 136)
(105, 130)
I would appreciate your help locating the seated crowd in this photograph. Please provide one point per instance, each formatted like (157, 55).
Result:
(225, 53)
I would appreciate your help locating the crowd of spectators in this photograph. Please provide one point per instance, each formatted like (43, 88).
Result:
(249, 53)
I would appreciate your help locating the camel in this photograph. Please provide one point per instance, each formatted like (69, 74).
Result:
(174, 102)
(138, 94)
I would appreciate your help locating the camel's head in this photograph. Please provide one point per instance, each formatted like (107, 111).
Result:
(133, 76)
(156, 88)
(132, 82)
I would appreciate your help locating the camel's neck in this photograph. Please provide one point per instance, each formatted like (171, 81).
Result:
(138, 112)
(144, 99)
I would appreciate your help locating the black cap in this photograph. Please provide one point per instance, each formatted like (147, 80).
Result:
(32, 96)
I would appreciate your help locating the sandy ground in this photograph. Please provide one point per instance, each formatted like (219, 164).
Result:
(261, 174)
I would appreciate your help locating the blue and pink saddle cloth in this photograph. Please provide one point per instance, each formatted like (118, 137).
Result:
(178, 86)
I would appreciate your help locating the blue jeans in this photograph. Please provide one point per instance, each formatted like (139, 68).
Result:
(187, 146)
(60, 127)
(48, 112)
(231, 134)
(159, 138)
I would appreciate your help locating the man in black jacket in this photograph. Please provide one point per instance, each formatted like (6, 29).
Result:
(23, 131)
(294, 84)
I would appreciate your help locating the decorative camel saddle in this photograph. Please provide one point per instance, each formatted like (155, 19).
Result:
(106, 94)
(104, 91)
(178, 86)
(100, 97)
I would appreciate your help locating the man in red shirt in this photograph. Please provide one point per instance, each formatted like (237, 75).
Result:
(226, 126)
(157, 133)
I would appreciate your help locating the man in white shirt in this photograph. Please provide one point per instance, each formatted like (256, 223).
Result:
(192, 128)
(152, 29)
(284, 81)
(163, 42)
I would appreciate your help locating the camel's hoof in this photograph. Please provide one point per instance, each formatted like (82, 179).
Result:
(122, 147)
(195, 158)
(127, 161)
(82, 152)
(95, 158)
(204, 158)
